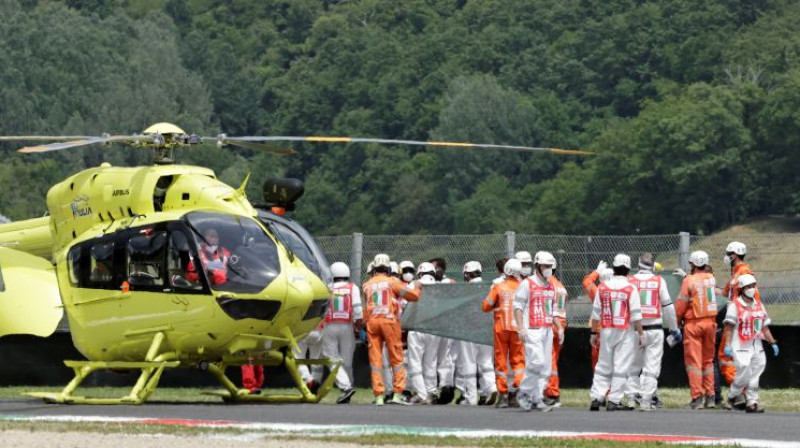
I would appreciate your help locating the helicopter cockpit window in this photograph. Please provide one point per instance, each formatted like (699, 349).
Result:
(145, 261)
(234, 252)
(101, 263)
(74, 265)
(297, 245)
(180, 263)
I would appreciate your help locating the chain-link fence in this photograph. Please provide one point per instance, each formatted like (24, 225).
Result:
(775, 258)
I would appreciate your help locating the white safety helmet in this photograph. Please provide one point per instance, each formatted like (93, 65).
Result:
(737, 248)
(746, 280)
(382, 261)
(512, 268)
(427, 279)
(472, 266)
(394, 267)
(425, 268)
(523, 256)
(543, 257)
(370, 267)
(340, 270)
(606, 274)
(621, 260)
(406, 265)
(698, 258)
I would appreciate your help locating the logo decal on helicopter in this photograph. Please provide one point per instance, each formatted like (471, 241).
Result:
(124, 192)
(80, 207)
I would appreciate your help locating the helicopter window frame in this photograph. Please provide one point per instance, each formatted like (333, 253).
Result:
(81, 263)
(201, 287)
(101, 263)
(151, 267)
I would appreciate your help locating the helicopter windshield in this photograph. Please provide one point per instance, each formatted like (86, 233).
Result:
(234, 252)
(299, 241)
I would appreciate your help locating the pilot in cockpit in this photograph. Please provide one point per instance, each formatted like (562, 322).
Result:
(213, 258)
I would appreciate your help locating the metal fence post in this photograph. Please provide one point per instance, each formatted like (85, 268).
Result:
(683, 250)
(356, 255)
(511, 243)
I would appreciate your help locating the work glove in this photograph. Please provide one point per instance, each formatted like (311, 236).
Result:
(593, 340)
(775, 350)
(362, 334)
(600, 266)
(523, 335)
(679, 272)
(728, 351)
(677, 336)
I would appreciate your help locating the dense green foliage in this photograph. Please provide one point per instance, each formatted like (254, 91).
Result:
(691, 106)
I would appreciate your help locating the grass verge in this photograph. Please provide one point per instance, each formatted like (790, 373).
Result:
(367, 440)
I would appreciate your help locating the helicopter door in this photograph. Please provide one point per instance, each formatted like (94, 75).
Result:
(30, 302)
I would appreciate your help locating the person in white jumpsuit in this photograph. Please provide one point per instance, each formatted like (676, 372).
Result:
(445, 355)
(533, 312)
(422, 352)
(617, 306)
(310, 347)
(467, 352)
(748, 324)
(657, 310)
(343, 319)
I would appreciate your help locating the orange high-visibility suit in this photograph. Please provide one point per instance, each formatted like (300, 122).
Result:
(382, 295)
(252, 377)
(727, 368)
(697, 307)
(559, 314)
(590, 286)
(507, 345)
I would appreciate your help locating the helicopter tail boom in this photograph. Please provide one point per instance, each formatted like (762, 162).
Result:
(31, 236)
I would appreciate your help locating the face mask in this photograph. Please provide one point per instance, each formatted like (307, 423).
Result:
(526, 271)
(727, 260)
(408, 276)
(212, 249)
(547, 273)
(750, 293)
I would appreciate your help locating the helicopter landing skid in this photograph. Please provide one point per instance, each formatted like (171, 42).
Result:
(233, 394)
(151, 368)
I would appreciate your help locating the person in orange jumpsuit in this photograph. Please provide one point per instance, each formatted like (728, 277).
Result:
(507, 345)
(602, 273)
(382, 294)
(697, 308)
(552, 393)
(253, 377)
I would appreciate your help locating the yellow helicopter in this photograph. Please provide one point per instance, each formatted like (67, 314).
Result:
(125, 251)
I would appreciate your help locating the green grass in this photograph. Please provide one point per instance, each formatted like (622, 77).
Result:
(674, 398)
(364, 439)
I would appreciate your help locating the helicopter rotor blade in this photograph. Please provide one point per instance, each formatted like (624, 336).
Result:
(73, 143)
(322, 139)
(249, 144)
(12, 138)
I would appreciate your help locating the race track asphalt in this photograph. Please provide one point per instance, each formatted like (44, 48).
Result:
(708, 423)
